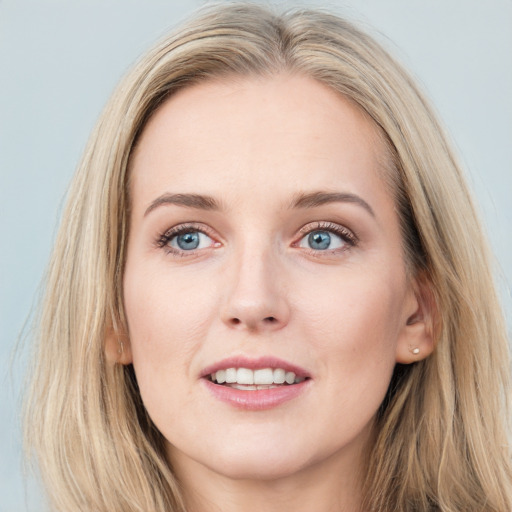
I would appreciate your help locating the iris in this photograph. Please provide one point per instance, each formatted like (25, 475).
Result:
(319, 240)
(188, 241)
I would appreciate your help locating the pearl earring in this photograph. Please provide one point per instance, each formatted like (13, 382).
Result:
(415, 351)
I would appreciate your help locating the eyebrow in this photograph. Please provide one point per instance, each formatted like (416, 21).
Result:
(314, 199)
(188, 200)
(302, 200)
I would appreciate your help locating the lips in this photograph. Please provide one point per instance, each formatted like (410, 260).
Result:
(259, 378)
(255, 384)
(255, 365)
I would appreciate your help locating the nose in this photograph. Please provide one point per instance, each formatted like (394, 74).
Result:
(255, 295)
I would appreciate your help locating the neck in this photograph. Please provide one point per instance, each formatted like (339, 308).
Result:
(334, 485)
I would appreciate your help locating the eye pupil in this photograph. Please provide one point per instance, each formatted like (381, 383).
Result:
(188, 241)
(319, 240)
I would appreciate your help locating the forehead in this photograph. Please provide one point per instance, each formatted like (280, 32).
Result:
(277, 132)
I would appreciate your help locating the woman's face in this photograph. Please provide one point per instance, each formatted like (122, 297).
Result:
(264, 245)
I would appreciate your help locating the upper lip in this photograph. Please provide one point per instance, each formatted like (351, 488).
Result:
(254, 364)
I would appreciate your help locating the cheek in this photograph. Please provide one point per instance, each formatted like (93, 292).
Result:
(160, 304)
(354, 327)
(165, 318)
(363, 310)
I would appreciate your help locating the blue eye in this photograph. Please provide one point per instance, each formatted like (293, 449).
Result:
(319, 240)
(322, 240)
(190, 241)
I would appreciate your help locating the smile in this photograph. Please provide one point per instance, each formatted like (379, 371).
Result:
(251, 380)
(255, 384)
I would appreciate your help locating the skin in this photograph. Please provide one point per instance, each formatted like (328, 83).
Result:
(255, 287)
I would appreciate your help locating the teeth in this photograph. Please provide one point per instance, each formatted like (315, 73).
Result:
(265, 376)
(279, 376)
(244, 376)
(231, 375)
(244, 387)
(255, 379)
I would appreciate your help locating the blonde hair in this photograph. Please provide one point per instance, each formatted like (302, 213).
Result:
(442, 433)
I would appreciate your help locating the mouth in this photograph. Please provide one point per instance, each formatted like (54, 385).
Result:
(248, 379)
(256, 384)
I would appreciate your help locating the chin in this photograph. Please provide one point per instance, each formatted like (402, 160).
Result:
(259, 467)
(267, 458)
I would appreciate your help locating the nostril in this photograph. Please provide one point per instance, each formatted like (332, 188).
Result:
(253, 323)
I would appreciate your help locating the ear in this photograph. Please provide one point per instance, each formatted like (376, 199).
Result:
(118, 348)
(417, 337)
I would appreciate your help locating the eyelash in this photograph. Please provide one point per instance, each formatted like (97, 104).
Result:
(164, 239)
(345, 234)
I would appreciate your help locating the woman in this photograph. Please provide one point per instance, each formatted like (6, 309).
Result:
(270, 289)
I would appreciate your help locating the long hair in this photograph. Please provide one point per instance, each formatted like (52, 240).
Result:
(441, 439)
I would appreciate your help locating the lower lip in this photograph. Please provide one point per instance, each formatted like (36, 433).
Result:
(256, 399)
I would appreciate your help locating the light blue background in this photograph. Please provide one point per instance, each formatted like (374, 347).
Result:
(59, 61)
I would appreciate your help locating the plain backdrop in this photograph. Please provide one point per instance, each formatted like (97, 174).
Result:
(59, 61)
